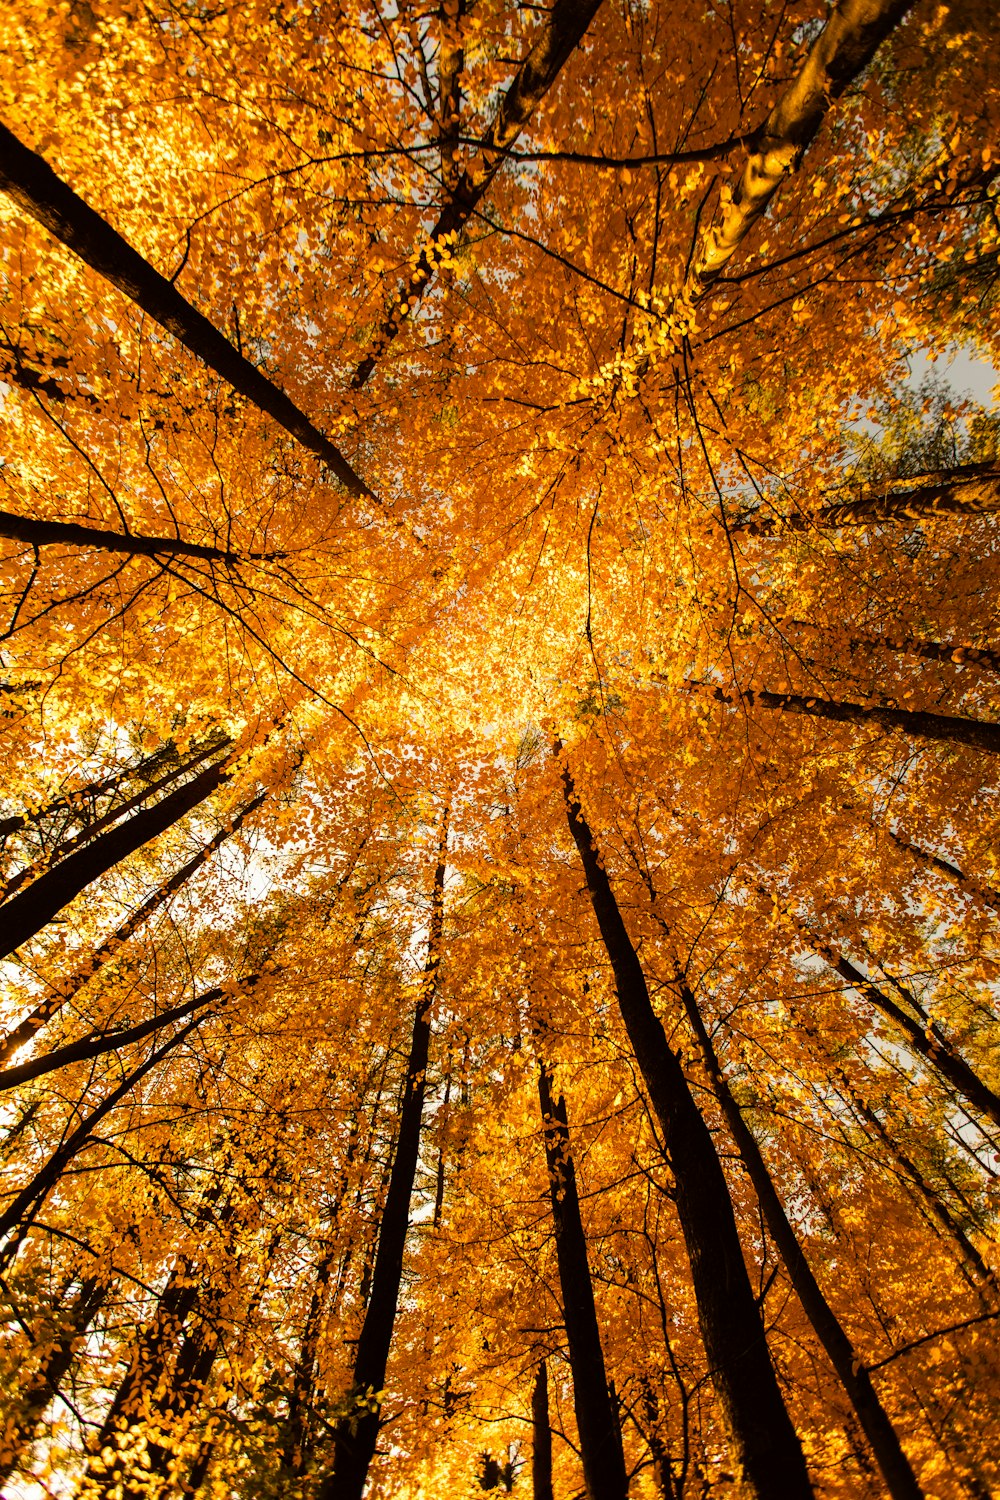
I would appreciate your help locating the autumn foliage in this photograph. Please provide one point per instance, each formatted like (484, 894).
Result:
(500, 728)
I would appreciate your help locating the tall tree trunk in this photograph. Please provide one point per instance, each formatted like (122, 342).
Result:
(945, 867)
(954, 653)
(899, 1477)
(766, 1449)
(22, 1426)
(18, 1214)
(560, 33)
(30, 910)
(33, 185)
(597, 1421)
(49, 1007)
(844, 48)
(74, 802)
(937, 1210)
(541, 1437)
(99, 1043)
(968, 489)
(917, 722)
(924, 1036)
(356, 1435)
(114, 815)
(34, 533)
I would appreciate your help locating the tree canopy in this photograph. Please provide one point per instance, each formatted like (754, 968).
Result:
(500, 719)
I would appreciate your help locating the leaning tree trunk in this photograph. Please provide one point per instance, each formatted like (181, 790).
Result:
(765, 1447)
(44, 1384)
(29, 911)
(357, 1434)
(919, 723)
(597, 1421)
(899, 1477)
(109, 949)
(17, 1217)
(560, 32)
(844, 48)
(966, 490)
(113, 815)
(33, 185)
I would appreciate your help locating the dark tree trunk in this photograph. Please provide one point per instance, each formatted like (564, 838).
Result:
(596, 1415)
(35, 533)
(30, 910)
(924, 1036)
(968, 489)
(919, 723)
(97, 825)
(18, 1214)
(951, 872)
(99, 1043)
(910, 1173)
(44, 1384)
(899, 1477)
(356, 1436)
(33, 185)
(73, 803)
(561, 32)
(109, 949)
(541, 1437)
(766, 1449)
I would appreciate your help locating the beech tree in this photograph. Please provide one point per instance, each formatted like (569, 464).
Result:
(500, 713)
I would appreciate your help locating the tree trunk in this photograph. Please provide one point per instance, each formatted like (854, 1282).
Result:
(560, 33)
(926, 1039)
(596, 1415)
(19, 1213)
(899, 1477)
(73, 802)
(968, 489)
(113, 815)
(844, 48)
(30, 910)
(44, 1384)
(357, 1434)
(919, 723)
(108, 950)
(34, 186)
(99, 1043)
(34, 533)
(766, 1449)
(541, 1437)
(951, 872)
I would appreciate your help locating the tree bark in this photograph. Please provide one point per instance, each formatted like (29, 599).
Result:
(44, 1384)
(30, 910)
(596, 1415)
(18, 1214)
(541, 1437)
(43, 1013)
(357, 1434)
(33, 185)
(925, 1038)
(843, 49)
(966, 490)
(560, 34)
(766, 1450)
(35, 533)
(97, 825)
(918, 723)
(899, 1477)
(74, 802)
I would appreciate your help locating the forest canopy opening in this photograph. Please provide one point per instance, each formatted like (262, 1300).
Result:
(500, 719)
